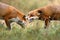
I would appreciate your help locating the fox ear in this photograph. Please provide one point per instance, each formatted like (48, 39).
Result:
(39, 11)
(24, 17)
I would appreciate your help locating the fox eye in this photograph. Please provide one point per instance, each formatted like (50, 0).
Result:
(31, 15)
(39, 11)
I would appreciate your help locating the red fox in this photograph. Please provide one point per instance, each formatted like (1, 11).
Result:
(11, 14)
(47, 13)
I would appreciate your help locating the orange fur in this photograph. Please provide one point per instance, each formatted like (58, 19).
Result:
(47, 13)
(8, 12)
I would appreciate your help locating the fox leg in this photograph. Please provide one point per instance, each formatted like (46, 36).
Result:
(47, 21)
(7, 23)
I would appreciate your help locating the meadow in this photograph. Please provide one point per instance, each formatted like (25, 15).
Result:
(34, 30)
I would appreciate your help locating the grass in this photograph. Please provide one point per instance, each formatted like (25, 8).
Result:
(31, 32)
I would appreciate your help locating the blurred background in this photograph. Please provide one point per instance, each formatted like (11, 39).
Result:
(28, 5)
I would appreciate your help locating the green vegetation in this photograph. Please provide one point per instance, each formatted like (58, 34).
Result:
(34, 30)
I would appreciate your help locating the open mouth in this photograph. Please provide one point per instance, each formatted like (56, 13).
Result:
(32, 18)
